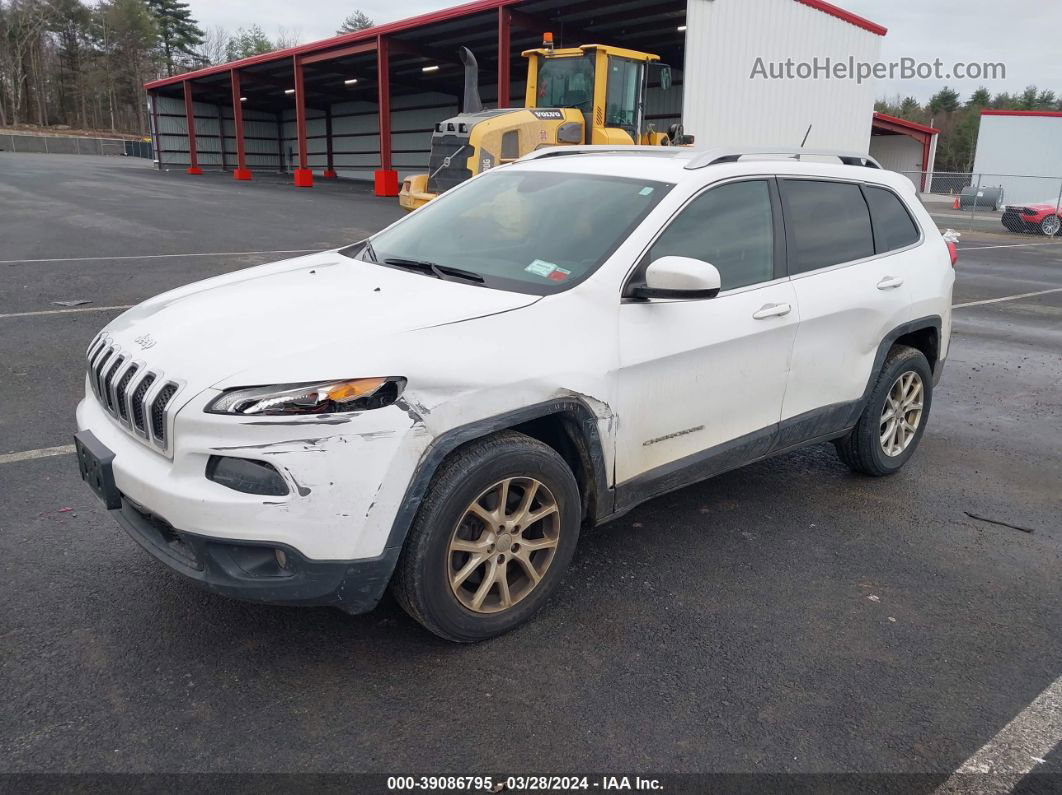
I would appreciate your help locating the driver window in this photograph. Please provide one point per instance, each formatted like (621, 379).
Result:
(732, 227)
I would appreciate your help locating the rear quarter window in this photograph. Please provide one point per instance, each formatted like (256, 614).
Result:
(893, 226)
(827, 223)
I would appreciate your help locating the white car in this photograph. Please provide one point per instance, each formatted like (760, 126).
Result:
(442, 407)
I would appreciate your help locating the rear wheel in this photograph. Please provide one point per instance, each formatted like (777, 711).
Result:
(492, 539)
(894, 419)
(1051, 225)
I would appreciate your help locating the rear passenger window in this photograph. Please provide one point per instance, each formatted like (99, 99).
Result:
(827, 223)
(893, 226)
(732, 227)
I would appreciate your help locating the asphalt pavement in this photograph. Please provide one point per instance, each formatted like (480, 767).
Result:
(789, 617)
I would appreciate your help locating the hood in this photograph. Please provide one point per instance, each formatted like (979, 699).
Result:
(271, 316)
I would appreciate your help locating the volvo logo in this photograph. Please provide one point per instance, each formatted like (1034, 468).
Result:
(145, 341)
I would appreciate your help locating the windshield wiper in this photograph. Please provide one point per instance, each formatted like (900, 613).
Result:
(434, 269)
(370, 250)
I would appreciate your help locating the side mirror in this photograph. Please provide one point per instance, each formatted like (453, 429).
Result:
(679, 277)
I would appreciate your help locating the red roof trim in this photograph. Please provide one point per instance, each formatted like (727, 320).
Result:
(847, 16)
(911, 125)
(467, 9)
(1048, 113)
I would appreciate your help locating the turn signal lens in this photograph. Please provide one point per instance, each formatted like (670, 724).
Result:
(351, 390)
(329, 397)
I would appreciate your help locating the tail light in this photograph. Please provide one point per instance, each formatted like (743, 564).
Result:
(954, 251)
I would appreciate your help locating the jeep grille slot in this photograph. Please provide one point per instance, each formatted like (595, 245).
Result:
(108, 382)
(121, 397)
(158, 412)
(138, 402)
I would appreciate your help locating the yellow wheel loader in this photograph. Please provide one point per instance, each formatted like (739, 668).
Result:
(594, 94)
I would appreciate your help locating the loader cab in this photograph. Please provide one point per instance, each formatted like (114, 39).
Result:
(607, 84)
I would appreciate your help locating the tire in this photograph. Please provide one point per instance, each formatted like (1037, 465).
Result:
(1051, 226)
(863, 449)
(463, 495)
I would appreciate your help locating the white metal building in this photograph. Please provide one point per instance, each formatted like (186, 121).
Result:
(1021, 150)
(364, 104)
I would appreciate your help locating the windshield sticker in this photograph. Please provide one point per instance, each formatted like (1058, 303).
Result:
(541, 268)
(645, 191)
(559, 275)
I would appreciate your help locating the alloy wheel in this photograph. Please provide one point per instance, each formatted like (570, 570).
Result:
(503, 544)
(1050, 225)
(902, 413)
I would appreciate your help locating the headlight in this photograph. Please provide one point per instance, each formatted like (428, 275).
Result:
(328, 397)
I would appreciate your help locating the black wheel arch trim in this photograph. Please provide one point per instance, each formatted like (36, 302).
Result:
(449, 441)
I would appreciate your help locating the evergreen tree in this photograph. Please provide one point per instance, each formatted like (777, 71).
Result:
(247, 42)
(179, 34)
(359, 20)
(981, 98)
(944, 101)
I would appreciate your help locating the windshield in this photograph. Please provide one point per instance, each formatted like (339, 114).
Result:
(566, 83)
(527, 231)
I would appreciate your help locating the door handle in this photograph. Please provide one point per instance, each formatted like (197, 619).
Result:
(889, 283)
(772, 310)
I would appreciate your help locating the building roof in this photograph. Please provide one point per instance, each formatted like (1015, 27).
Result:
(914, 126)
(1047, 113)
(847, 16)
(632, 21)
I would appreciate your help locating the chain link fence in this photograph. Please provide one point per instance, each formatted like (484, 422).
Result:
(1010, 204)
(74, 145)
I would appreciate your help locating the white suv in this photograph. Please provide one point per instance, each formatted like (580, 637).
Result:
(443, 406)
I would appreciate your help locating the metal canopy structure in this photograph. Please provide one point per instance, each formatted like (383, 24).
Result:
(885, 125)
(413, 56)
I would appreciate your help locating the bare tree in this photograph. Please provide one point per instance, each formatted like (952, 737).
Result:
(214, 47)
(22, 22)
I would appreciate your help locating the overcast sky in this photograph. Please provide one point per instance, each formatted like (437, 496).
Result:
(1024, 36)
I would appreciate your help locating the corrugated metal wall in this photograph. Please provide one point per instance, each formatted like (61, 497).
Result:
(723, 40)
(898, 153)
(1013, 149)
(259, 132)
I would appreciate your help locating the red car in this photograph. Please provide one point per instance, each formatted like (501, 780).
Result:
(1043, 218)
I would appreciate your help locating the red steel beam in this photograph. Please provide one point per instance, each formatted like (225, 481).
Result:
(241, 172)
(505, 18)
(386, 179)
(189, 115)
(330, 171)
(331, 55)
(303, 175)
(383, 83)
(155, 128)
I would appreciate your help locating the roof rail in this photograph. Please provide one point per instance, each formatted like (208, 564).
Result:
(558, 151)
(713, 157)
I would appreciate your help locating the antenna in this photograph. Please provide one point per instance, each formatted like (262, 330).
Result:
(806, 136)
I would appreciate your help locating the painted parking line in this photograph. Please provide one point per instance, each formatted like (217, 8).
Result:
(69, 311)
(161, 256)
(1008, 298)
(1008, 245)
(1015, 751)
(29, 455)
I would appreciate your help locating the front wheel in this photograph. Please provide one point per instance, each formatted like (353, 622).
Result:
(1051, 225)
(492, 539)
(894, 418)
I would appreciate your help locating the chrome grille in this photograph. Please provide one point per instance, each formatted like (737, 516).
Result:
(136, 396)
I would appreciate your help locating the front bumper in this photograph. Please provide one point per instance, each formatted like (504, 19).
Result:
(335, 527)
(253, 571)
